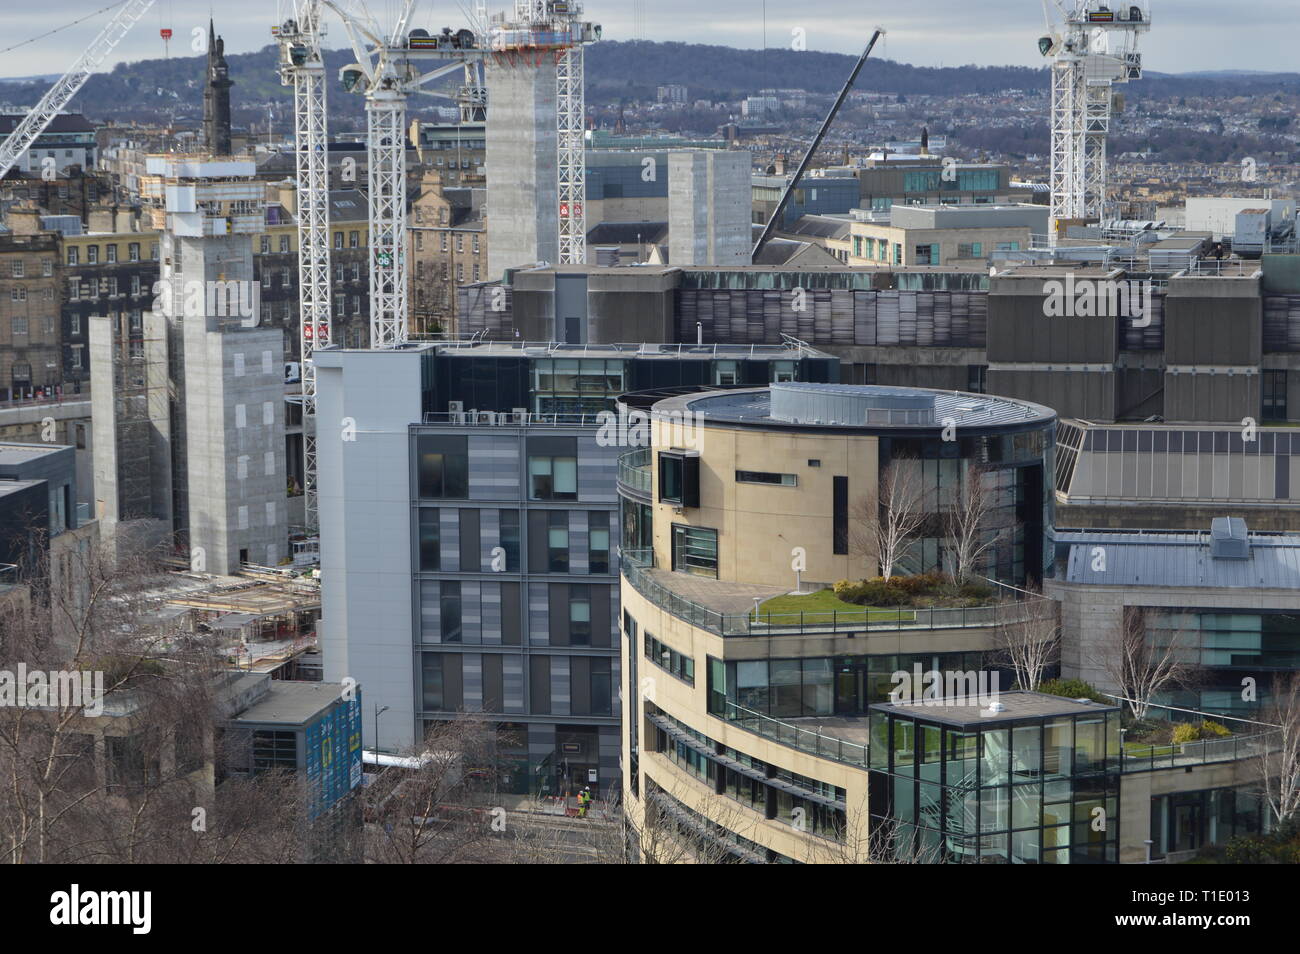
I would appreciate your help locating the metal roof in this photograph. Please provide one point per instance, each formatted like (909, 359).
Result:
(1178, 559)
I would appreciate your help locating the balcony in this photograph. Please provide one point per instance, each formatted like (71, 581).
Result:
(634, 475)
(715, 605)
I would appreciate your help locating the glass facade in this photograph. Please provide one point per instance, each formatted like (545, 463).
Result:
(820, 686)
(1191, 821)
(1032, 791)
(1016, 475)
(1227, 647)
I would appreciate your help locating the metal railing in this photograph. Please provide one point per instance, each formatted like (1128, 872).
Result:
(475, 418)
(635, 564)
(796, 737)
(634, 471)
(1176, 755)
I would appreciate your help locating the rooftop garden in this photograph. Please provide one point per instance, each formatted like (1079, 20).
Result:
(878, 599)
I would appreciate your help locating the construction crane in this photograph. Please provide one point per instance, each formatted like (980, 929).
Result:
(61, 93)
(540, 28)
(812, 149)
(303, 68)
(386, 72)
(1093, 47)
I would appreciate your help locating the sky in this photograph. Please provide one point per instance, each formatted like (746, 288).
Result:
(1186, 35)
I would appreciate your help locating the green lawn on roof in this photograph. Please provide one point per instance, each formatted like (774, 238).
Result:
(825, 607)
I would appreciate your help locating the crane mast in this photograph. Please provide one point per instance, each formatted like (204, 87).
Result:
(303, 68)
(1093, 48)
(61, 93)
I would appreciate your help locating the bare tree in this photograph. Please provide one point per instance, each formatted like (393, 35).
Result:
(966, 523)
(881, 528)
(1279, 761)
(130, 778)
(1028, 638)
(441, 810)
(1139, 666)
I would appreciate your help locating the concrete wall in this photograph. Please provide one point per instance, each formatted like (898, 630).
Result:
(365, 402)
(522, 173)
(709, 197)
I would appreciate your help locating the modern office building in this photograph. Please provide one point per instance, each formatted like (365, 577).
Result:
(758, 736)
(1226, 598)
(1211, 353)
(470, 530)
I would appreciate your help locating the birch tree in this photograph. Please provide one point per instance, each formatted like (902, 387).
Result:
(1279, 763)
(1028, 638)
(966, 523)
(1141, 668)
(884, 527)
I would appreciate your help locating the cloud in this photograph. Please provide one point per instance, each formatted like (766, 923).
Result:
(1186, 35)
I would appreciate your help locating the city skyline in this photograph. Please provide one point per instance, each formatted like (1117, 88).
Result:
(1195, 38)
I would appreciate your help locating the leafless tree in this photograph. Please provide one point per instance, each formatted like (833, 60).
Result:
(1279, 761)
(882, 527)
(445, 810)
(966, 525)
(135, 783)
(1140, 666)
(1028, 638)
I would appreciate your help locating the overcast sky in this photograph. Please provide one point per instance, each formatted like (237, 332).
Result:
(1188, 35)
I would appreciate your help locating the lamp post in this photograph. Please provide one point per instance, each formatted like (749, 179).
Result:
(378, 712)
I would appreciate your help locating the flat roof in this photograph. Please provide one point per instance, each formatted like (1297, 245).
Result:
(753, 407)
(12, 454)
(1015, 705)
(1180, 559)
(292, 703)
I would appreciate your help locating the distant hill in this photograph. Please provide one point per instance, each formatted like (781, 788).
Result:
(615, 70)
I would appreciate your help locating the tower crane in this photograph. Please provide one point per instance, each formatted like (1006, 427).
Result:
(1093, 46)
(61, 93)
(387, 71)
(303, 68)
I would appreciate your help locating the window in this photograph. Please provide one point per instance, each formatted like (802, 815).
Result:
(976, 378)
(338, 240)
(354, 239)
(17, 268)
(443, 466)
(557, 541)
(840, 515)
(266, 244)
(92, 254)
(680, 665)
(74, 255)
(153, 251)
(19, 326)
(973, 250)
(449, 610)
(284, 243)
(763, 477)
(1274, 404)
(726, 372)
(74, 289)
(430, 541)
(18, 294)
(135, 284)
(598, 542)
(47, 267)
(552, 468)
(679, 479)
(110, 253)
(509, 520)
(695, 550)
(580, 615)
(76, 357)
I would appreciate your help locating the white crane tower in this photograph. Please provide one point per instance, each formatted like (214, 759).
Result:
(386, 72)
(1093, 47)
(61, 93)
(303, 68)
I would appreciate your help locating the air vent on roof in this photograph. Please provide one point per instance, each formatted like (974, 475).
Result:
(1229, 539)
